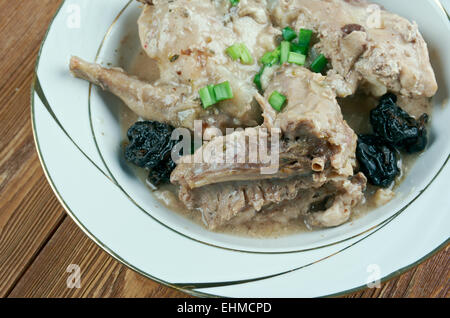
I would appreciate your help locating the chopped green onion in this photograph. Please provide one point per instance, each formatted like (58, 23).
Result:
(299, 49)
(297, 58)
(207, 96)
(267, 58)
(277, 51)
(270, 58)
(246, 57)
(289, 34)
(277, 101)
(223, 91)
(240, 51)
(319, 64)
(304, 38)
(234, 51)
(257, 79)
(234, 2)
(285, 49)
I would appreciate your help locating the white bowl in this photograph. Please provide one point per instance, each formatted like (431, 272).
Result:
(78, 135)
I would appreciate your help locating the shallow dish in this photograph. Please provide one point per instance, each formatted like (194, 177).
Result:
(77, 132)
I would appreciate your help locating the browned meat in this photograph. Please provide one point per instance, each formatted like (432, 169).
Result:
(293, 158)
(316, 160)
(317, 142)
(343, 196)
(282, 200)
(312, 112)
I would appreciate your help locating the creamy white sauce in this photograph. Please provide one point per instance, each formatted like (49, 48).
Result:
(356, 111)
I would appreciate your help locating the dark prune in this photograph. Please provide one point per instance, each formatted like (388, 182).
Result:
(161, 173)
(422, 138)
(388, 98)
(378, 160)
(150, 147)
(397, 127)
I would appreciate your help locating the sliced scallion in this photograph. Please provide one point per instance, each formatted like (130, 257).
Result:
(257, 79)
(285, 49)
(289, 34)
(234, 51)
(319, 64)
(299, 49)
(240, 51)
(267, 58)
(304, 38)
(297, 58)
(277, 101)
(207, 96)
(270, 58)
(246, 57)
(223, 91)
(234, 2)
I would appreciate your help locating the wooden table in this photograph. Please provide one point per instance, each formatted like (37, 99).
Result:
(38, 241)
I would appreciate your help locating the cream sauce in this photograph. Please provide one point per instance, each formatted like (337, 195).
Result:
(356, 110)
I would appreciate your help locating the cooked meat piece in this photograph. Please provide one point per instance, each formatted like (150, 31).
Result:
(312, 111)
(281, 200)
(172, 104)
(163, 103)
(317, 142)
(385, 55)
(228, 158)
(316, 160)
(188, 39)
(347, 194)
(220, 203)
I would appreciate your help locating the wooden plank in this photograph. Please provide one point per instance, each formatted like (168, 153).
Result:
(101, 275)
(29, 212)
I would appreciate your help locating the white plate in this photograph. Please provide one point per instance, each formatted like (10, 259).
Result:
(78, 137)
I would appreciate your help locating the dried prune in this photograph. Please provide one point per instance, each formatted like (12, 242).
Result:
(388, 98)
(377, 159)
(161, 173)
(397, 127)
(150, 147)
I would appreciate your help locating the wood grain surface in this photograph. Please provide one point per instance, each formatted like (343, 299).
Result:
(38, 241)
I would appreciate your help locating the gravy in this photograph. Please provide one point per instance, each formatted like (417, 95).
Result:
(356, 110)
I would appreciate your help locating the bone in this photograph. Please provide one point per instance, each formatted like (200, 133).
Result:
(163, 103)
